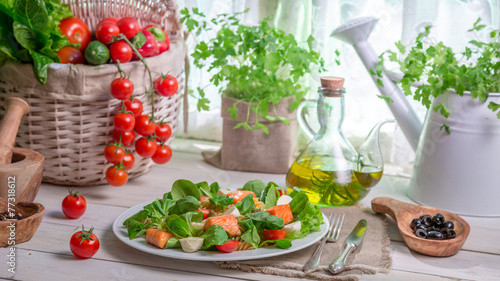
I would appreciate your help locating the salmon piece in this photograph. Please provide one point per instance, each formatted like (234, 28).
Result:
(282, 211)
(228, 222)
(157, 237)
(204, 198)
(238, 195)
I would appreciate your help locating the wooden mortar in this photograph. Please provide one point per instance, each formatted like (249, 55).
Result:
(20, 169)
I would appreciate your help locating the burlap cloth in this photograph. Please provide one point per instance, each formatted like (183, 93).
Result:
(372, 256)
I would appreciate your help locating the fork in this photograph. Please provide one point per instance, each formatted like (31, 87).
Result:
(331, 236)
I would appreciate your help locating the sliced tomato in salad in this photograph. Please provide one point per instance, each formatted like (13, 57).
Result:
(228, 247)
(274, 234)
(205, 212)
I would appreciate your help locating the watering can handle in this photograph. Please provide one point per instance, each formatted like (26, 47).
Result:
(301, 117)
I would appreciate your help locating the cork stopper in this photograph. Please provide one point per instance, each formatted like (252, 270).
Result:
(332, 82)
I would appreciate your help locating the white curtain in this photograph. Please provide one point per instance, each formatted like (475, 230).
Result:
(398, 20)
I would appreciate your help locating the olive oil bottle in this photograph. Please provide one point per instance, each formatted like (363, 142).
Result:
(329, 170)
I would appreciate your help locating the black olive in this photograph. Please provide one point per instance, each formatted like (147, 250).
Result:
(438, 219)
(448, 224)
(435, 235)
(450, 234)
(421, 226)
(427, 219)
(415, 222)
(421, 233)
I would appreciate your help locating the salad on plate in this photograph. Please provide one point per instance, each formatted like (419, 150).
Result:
(202, 216)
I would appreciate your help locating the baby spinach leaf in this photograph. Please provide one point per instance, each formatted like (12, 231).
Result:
(280, 243)
(190, 217)
(247, 224)
(32, 13)
(215, 235)
(173, 243)
(270, 195)
(204, 188)
(246, 204)
(178, 227)
(183, 188)
(25, 36)
(299, 203)
(214, 188)
(186, 204)
(257, 186)
(135, 228)
(265, 220)
(221, 202)
(40, 65)
(140, 216)
(252, 237)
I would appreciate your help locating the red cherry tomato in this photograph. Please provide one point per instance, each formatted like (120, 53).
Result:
(105, 31)
(116, 177)
(134, 106)
(74, 205)
(124, 122)
(150, 47)
(163, 132)
(282, 192)
(128, 161)
(229, 246)
(145, 148)
(111, 19)
(274, 234)
(77, 31)
(127, 138)
(167, 86)
(162, 155)
(121, 51)
(128, 26)
(121, 88)
(71, 55)
(144, 126)
(84, 244)
(114, 154)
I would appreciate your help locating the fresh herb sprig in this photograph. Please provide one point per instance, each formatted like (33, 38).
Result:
(257, 64)
(476, 69)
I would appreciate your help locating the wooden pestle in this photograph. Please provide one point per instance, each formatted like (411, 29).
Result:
(15, 108)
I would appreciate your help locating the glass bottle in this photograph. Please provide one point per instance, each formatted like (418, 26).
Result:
(329, 169)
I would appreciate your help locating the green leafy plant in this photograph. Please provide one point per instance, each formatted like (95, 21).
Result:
(30, 33)
(476, 69)
(257, 64)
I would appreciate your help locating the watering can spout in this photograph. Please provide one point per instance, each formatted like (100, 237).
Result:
(356, 33)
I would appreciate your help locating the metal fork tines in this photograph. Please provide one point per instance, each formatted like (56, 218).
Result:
(331, 236)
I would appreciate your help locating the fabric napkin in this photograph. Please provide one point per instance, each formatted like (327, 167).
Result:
(372, 256)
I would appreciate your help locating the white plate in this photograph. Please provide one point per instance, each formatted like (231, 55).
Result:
(140, 244)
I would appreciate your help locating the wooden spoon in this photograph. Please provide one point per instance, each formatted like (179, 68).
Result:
(404, 213)
(15, 108)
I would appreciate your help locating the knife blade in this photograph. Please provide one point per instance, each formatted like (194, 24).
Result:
(352, 241)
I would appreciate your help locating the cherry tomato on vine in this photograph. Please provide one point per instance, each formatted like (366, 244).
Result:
(105, 31)
(84, 244)
(274, 234)
(114, 154)
(121, 88)
(144, 126)
(72, 55)
(145, 148)
(74, 205)
(163, 132)
(124, 122)
(134, 106)
(150, 47)
(116, 176)
(128, 26)
(121, 51)
(128, 161)
(166, 86)
(127, 138)
(76, 30)
(162, 155)
(229, 246)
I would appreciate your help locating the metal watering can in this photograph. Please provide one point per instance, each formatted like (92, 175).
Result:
(457, 172)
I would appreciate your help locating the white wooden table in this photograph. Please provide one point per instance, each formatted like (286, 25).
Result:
(47, 256)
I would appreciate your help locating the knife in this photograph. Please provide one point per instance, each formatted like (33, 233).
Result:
(352, 241)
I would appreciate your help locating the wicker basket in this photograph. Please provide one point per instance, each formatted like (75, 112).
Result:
(72, 127)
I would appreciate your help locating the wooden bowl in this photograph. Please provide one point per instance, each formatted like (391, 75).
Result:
(404, 213)
(26, 227)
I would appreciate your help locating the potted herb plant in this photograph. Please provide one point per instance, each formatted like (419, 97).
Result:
(259, 71)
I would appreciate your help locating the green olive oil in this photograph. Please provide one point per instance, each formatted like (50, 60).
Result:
(327, 185)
